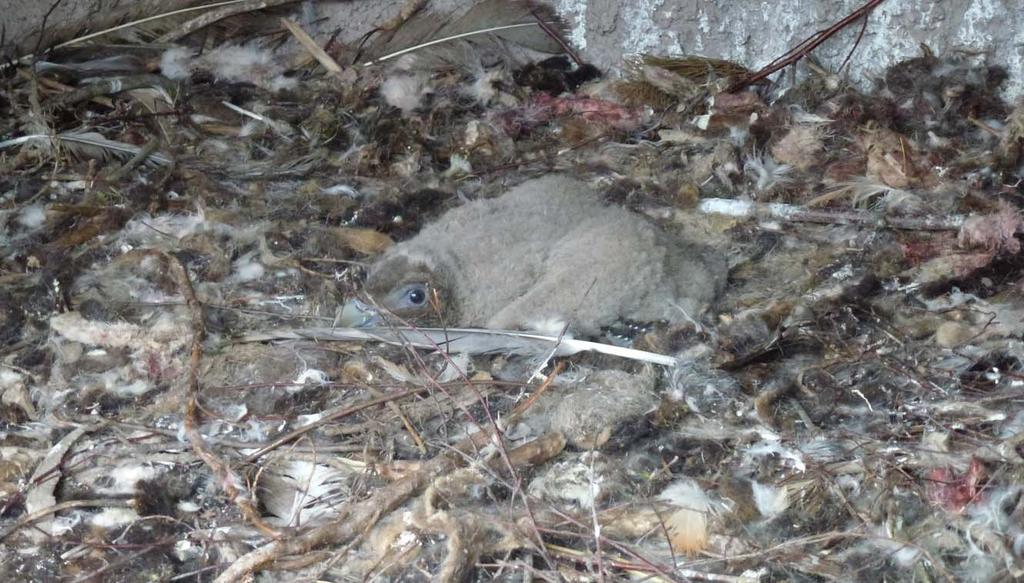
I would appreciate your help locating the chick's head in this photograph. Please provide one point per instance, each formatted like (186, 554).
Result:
(412, 286)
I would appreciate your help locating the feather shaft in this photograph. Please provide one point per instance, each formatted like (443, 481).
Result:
(467, 340)
(447, 39)
(89, 140)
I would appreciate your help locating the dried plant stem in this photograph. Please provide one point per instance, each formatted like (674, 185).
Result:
(554, 34)
(804, 48)
(230, 482)
(311, 46)
(330, 418)
(409, 427)
(356, 518)
(494, 429)
(647, 574)
(147, 150)
(521, 408)
(856, 43)
(647, 565)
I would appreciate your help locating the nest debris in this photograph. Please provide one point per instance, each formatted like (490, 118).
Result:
(851, 412)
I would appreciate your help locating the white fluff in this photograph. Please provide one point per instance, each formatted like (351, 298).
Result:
(687, 525)
(405, 91)
(766, 172)
(770, 500)
(580, 481)
(233, 63)
(115, 383)
(903, 555)
(176, 63)
(309, 376)
(240, 63)
(151, 230)
(65, 524)
(789, 457)
(247, 268)
(32, 217)
(114, 517)
(686, 493)
(184, 550)
(124, 478)
(557, 327)
(10, 379)
(72, 326)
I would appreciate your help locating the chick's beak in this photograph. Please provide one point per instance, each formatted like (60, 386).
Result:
(358, 314)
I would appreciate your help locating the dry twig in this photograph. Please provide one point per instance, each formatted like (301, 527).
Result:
(804, 48)
(311, 46)
(356, 518)
(230, 482)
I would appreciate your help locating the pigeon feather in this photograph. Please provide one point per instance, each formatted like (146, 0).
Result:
(86, 145)
(471, 341)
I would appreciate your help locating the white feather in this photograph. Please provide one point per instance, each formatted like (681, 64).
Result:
(467, 340)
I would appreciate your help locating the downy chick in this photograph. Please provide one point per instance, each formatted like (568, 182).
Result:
(545, 254)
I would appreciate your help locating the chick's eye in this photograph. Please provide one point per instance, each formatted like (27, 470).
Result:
(416, 296)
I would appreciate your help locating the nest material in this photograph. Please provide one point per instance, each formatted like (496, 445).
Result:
(850, 411)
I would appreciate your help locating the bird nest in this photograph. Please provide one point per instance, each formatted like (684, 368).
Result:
(187, 205)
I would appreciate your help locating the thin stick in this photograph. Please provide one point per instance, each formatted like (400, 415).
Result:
(311, 46)
(355, 519)
(145, 152)
(446, 39)
(42, 25)
(230, 482)
(801, 50)
(330, 418)
(58, 86)
(558, 39)
(521, 408)
(856, 43)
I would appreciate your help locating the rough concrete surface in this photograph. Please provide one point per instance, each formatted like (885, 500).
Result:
(23, 19)
(752, 32)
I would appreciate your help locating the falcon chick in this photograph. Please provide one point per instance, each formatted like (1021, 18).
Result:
(545, 254)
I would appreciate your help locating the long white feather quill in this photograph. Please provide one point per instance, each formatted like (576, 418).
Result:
(449, 38)
(465, 340)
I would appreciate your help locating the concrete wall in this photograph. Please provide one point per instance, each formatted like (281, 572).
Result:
(755, 32)
(22, 19)
(752, 32)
